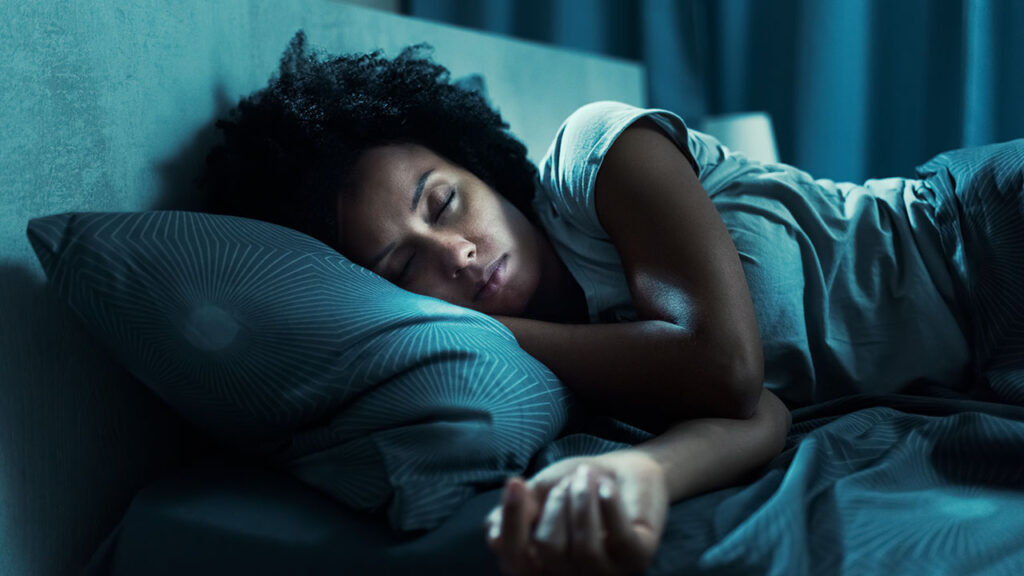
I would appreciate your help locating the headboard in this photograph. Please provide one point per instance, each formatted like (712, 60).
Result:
(109, 106)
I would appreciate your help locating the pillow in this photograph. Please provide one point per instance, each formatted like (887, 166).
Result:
(279, 347)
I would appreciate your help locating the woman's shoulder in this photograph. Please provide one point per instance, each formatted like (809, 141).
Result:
(594, 115)
(587, 134)
(595, 125)
(569, 168)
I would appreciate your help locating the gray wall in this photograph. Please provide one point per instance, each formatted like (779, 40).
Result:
(109, 105)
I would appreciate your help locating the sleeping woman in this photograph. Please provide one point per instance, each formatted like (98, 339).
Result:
(665, 279)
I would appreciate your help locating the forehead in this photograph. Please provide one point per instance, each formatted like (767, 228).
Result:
(383, 183)
(391, 168)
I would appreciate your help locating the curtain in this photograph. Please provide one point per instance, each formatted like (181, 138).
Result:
(855, 88)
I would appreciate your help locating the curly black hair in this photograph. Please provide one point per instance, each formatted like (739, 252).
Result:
(289, 148)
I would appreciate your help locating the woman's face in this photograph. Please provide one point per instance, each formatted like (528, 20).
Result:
(434, 228)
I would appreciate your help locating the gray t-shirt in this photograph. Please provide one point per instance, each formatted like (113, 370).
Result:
(850, 287)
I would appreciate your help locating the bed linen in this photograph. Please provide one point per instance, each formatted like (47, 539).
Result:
(980, 218)
(883, 484)
(927, 481)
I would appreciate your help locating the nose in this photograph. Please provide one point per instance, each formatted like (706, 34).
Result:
(457, 254)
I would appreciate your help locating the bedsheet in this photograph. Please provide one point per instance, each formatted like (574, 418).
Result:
(979, 197)
(866, 485)
(869, 485)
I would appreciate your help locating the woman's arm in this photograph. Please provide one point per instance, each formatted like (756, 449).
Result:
(548, 519)
(697, 351)
(649, 373)
(709, 453)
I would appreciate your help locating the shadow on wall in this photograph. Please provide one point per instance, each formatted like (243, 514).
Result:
(179, 173)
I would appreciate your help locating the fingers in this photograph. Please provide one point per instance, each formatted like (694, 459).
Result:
(512, 529)
(583, 525)
(630, 546)
(570, 534)
(508, 529)
(587, 527)
(551, 535)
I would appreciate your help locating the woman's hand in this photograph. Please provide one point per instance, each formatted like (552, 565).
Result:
(601, 515)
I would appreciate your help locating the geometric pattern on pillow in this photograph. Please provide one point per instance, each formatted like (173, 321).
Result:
(278, 346)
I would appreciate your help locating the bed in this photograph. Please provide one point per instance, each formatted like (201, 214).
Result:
(113, 111)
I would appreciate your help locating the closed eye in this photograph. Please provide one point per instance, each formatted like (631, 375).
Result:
(447, 201)
(408, 263)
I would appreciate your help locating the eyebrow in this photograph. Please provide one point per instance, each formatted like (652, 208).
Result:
(415, 202)
(419, 190)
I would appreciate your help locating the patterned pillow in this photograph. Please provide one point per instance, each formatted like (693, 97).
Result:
(277, 346)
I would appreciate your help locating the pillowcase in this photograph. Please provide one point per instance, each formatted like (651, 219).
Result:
(279, 347)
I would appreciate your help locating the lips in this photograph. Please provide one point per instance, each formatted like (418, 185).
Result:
(494, 278)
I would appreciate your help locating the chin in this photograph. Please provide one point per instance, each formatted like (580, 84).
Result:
(516, 308)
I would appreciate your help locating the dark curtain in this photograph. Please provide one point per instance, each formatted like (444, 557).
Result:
(855, 88)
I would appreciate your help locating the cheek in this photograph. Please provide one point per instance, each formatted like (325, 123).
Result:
(512, 222)
(529, 265)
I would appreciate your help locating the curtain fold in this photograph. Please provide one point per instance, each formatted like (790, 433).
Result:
(855, 88)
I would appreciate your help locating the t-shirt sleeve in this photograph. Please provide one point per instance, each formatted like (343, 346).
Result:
(569, 168)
